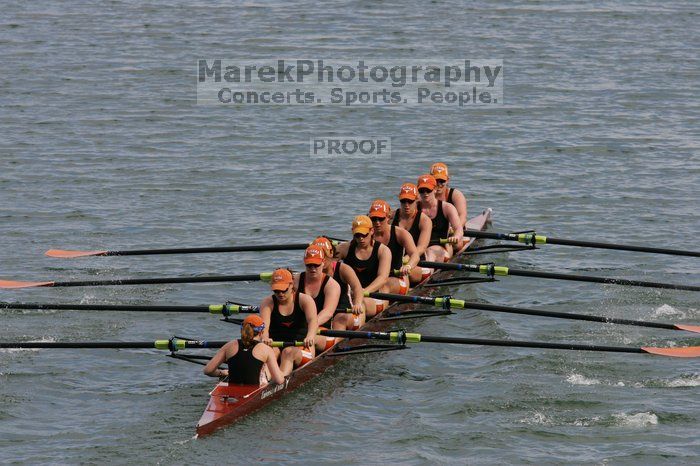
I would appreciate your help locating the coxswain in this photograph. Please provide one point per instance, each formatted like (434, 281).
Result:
(400, 243)
(322, 288)
(249, 361)
(351, 296)
(419, 225)
(443, 215)
(289, 316)
(371, 261)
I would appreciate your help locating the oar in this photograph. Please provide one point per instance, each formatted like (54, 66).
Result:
(141, 281)
(532, 239)
(450, 303)
(223, 309)
(491, 270)
(404, 337)
(172, 344)
(70, 254)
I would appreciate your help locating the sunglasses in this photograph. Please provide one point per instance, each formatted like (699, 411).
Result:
(441, 181)
(312, 266)
(282, 291)
(425, 191)
(377, 219)
(407, 201)
(360, 235)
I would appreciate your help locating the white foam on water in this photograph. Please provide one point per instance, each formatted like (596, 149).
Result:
(637, 420)
(578, 379)
(684, 381)
(667, 310)
(537, 418)
(586, 422)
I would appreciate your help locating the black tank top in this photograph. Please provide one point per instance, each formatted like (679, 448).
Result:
(344, 301)
(449, 195)
(415, 226)
(441, 226)
(288, 328)
(396, 250)
(366, 270)
(320, 298)
(243, 367)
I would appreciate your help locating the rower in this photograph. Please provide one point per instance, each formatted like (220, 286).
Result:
(351, 296)
(443, 215)
(400, 243)
(371, 261)
(419, 225)
(322, 288)
(249, 362)
(444, 193)
(289, 316)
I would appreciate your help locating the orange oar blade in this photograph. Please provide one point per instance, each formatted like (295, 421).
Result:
(65, 254)
(685, 352)
(16, 284)
(689, 328)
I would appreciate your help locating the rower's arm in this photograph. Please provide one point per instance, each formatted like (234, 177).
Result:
(425, 228)
(460, 203)
(212, 367)
(450, 212)
(383, 270)
(272, 365)
(330, 303)
(341, 251)
(309, 307)
(406, 240)
(350, 277)
(266, 314)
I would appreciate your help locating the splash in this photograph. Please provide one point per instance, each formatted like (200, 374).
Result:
(537, 418)
(666, 310)
(578, 379)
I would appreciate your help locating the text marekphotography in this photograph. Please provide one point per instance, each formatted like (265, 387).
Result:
(459, 83)
(344, 147)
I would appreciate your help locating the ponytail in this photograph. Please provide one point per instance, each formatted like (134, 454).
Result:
(247, 335)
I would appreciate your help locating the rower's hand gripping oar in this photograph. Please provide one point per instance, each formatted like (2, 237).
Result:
(447, 302)
(492, 270)
(403, 337)
(532, 239)
(71, 254)
(265, 276)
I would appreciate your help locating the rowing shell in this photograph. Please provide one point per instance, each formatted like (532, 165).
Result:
(230, 402)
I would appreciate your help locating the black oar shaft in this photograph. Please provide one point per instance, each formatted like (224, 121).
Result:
(103, 307)
(159, 344)
(414, 337)
(529, 238)
(251, 248)
(461, 304)
(500, 270)
(157, 281)
(529, 344)
(604, 280)
(622, 247)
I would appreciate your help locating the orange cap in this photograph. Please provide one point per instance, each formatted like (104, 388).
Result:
(408, 191)
(379, 208)
(325, 244)
(256, 321)
(313, 255)
(362, 224)
(281, 279)
(439, 171)
(426, 181)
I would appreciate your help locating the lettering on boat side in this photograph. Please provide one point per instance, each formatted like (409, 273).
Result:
(277, 388)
